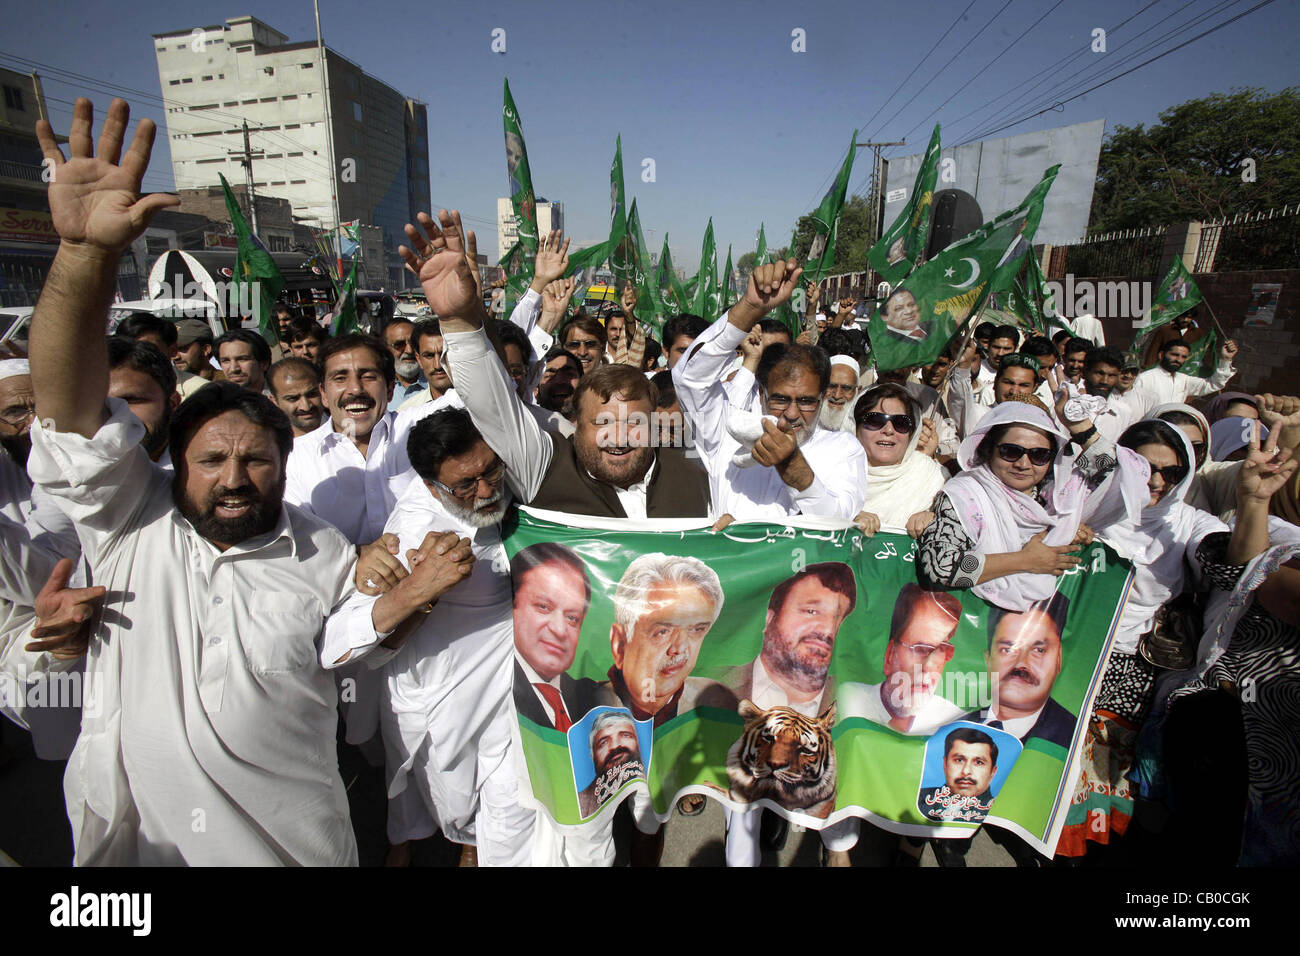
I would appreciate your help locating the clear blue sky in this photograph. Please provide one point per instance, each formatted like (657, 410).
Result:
(741, 128)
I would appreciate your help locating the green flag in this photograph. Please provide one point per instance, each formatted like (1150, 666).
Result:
(621, 251)
(760, 255)
(826, 222)
(256, 278)
(1032, 301)
(648, 309)
(726, 284)
(1178, 293)
(519, 179)
(671, 290)
(934, 302)
(345, 319)
(1204, 357)
(902, 245)
(707, 296)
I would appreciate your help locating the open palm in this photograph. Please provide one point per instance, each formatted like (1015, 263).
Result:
(437, 257)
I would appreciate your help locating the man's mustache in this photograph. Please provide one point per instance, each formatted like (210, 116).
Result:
(618, 756)
(675, 661)
(359, 399)
(1020, 673)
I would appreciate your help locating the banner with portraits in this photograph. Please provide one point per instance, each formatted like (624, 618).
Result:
(798, 667)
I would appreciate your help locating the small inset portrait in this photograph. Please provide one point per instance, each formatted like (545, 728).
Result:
(607, 749)
(965, 767)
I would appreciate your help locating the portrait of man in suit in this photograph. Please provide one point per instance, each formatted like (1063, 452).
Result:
(919, 648)
(804, 615)
(664, 607)
(970, 762)
(1024, 659)
(616, 757)
(902, 316)
(552, 595)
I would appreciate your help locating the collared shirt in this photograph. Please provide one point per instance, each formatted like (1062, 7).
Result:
(401, 393)
(329, 478)
(534, 679)
(1017, 727)
(1166, 387)
(758, 493)
(633, 497)
(207, 683)
(767, 693)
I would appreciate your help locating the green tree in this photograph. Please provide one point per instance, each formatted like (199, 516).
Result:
(851, 241)
(1190, 164)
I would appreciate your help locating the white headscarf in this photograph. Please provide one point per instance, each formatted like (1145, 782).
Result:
(1156, 541)
(11, 367)
(1214, 487)
(896, 492)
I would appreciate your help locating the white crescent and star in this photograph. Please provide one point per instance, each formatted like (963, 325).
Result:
(974, 274)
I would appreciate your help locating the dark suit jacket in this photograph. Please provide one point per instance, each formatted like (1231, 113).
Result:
(1055, 724)
(579, 696)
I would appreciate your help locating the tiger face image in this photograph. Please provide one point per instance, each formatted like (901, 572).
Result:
(786, 757)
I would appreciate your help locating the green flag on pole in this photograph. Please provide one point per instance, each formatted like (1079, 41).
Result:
(647, 303)
(933, 303)
(726, 283)
(520, 180)
(621, 251)
(1204, 357)
(671, 290)
(707, 296)
(345, 318)
(1032, 301)
(900, 248)
(826, 222)
(256, 278)
(760, 255)
(1178, 293)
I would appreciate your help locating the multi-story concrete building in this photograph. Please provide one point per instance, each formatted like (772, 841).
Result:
(550, 215)
(216, 78)
(27, 236)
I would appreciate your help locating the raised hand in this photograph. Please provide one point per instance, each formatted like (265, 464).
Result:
(552, 260)
(95, 201)
(752, 347)
(628, 300)
(812, 295)
(1228, 351)
(1264, 470)
(772, 285)
(471, 259)
(555, 302)
(636, 349)
(62, 614)
(437, 257)
(928, 442)
(1281, 413)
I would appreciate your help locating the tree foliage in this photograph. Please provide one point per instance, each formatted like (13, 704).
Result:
(1189, 166)
(851, 243)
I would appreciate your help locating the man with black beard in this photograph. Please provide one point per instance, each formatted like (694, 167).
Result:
(446, 708)
(399, 336)
(1167, 384)
(214, 698)
(560, 373)
(615, 756)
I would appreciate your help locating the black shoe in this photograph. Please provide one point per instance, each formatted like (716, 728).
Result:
(772, 831)
(950, 852)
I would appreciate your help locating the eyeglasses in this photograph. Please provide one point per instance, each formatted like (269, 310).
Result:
(805, 403)
(1012, 453)
(875, 421)
(1172, 474)
(465, 488)
(18, 415)
(922, 651)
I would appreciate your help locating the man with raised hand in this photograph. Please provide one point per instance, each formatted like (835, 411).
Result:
(213, 737)
(1166, 384)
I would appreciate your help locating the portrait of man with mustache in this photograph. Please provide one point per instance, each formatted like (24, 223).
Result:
(970, 762)
(1024, 659)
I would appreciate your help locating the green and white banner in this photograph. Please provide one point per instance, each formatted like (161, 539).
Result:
(798, 667)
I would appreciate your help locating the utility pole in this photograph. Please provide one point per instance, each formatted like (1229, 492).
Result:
(246, 160)
(877, 206)
(329, 141)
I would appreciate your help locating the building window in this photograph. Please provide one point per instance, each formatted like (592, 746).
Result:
(308, 66)
(269, 70)
(279, 182)
(231, 103)
(356, 111)
(292, 125)
(297, 182)
(203, 162)
(291, 96)
(188, 79)
(292, 154)
(267, 99)
(207, 78)
(169, 83)
(221, 76)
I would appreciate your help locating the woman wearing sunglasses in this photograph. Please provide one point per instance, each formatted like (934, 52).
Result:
(1164, 542)
(902, 477)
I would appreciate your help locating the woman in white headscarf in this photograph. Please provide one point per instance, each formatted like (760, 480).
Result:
(902, 477)
(1004, 527)
(1164, 542)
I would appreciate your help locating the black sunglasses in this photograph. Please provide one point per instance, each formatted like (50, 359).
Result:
(1172, 474)
(874, 421)
(1010, 452)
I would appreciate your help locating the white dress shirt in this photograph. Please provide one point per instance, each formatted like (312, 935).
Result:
(1164, 387)
(757, 493)
(208, 730)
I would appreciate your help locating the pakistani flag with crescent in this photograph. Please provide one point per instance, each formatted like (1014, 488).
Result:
(1178, 293)
(707, 296)
(931, 305)
(519, 181)
(648, 309)
(902, 245)
(671, 290)
(826, 221)
(621, 251)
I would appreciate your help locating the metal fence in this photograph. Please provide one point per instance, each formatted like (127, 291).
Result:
(1128, 252)
(1265, 240)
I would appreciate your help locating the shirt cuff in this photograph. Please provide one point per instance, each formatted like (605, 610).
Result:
(541, 341)
(468, 345)
(730, 337)
(351, 631)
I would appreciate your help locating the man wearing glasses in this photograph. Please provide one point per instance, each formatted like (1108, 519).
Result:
(804, 468)
(920, 647)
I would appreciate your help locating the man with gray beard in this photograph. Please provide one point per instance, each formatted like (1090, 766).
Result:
(445, 712)
(399, 336)
(841, 394)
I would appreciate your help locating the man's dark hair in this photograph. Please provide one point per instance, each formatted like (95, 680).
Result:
(779, 362)
(1019, 360)
(424, 329)
(1005, 332)
(837, 342)
(1159, 432)
(1058, 608)
(913, 595)
(142, 357)
(143, 323)
(652, 352)
(583, 323)
(691, 326)
(1061, 335)
(301, 327)
(281, 309)
(557, 351)
(215, 399)
(438, 437)
(510, 334)
(663, 383)
(1040, 347)
(969, 735)
(1175, 344)
(359, 340)
(535, 555)
(870, 400)
(985, 330)
(775, 327)
(1103, 355)
(607, 380)
(261, 351)
(1076, 345)
(291, 365)
(834, 575)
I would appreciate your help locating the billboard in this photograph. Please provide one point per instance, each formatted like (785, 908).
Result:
(999, 172)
